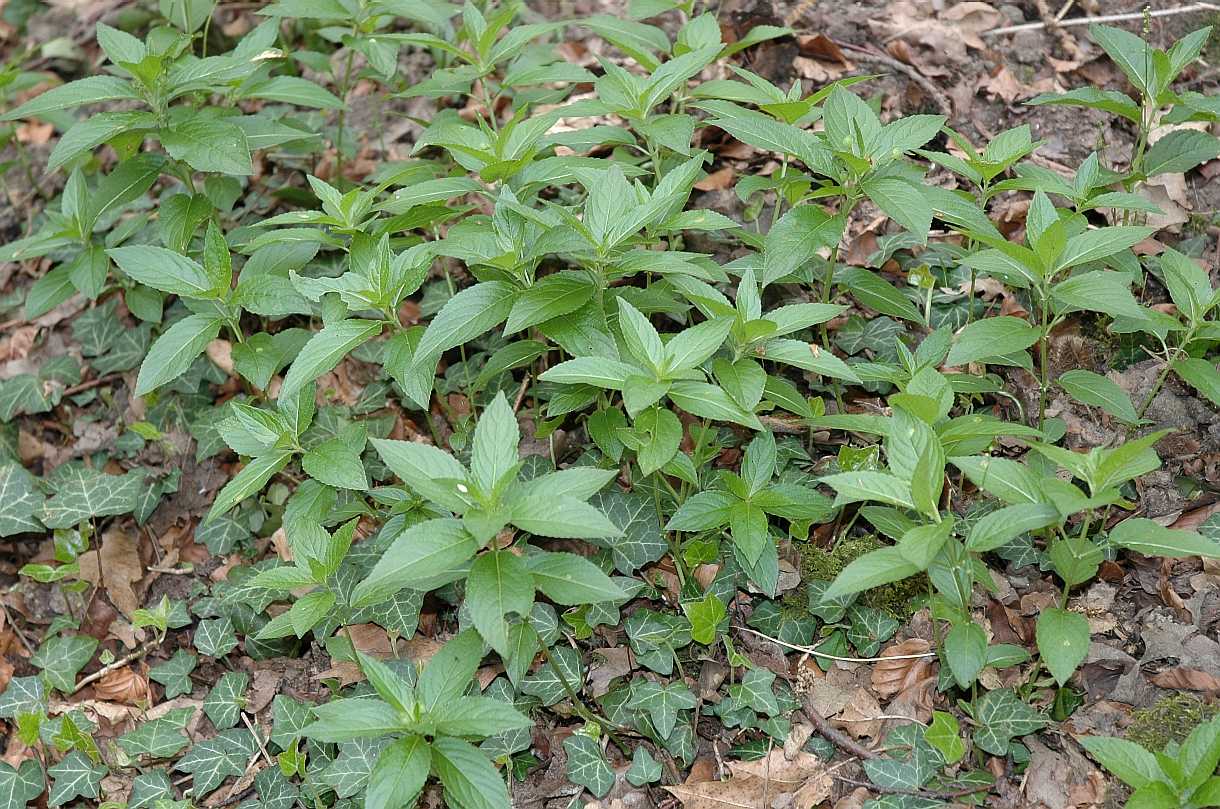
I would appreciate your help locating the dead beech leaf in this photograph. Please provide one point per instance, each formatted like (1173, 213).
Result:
(220, 352)
(123, 685)
(718, 180)
(121, 568)
(1187, 679)
(892, 676)
(801, 781)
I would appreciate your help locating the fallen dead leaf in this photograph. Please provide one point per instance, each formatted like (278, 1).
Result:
(797, 782)
(1186, 679)
(123, 685)
(120, 569)
(891, 676)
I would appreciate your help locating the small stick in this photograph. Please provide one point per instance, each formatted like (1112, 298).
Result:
(118, 664)
(933, 794)
(8, 617)
(1128, 17)
(837, 737)
(868, 55)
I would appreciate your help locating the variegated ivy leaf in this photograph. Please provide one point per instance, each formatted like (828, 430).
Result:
(288, 717)
(98, 328)
(74, 777)
(158, 738)
(547, 683)
(175, 673)
(869, 628)
(20, 500)
(82, 493)
(148, 788)
(1002, 716)
(215, 638)
(22, 394)
(19, 787)
(61, 657)
(350, 770)
(644, 768)
(213, 760)
(587, 764)
(225, 701)
(274, 790)
(755, 690)
(910, 764)
(636, 516)
(126, 352)
(662, 702)
(23, 695)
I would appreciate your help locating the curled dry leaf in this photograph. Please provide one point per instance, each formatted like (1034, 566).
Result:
(120, 569)
(892, 676)
(1187, 679)
(796, 782)
(123, 685)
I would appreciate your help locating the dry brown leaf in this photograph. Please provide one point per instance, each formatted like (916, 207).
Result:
(718, 180)
(797, 782)
(891, 676)
(1186, 679)
(608, 664)
(220, 352)
(123, 685)
(121, 568)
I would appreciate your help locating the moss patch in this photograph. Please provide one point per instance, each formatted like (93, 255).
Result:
(1171, 719)
(897, 599)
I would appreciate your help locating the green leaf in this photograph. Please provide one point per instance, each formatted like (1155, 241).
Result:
(166, 270)
(944, 734)
(498, 584)
(1001, 716)
(225, 701)
(1135, 766)
(852, 487)
(705, 616)
(464, 317)
(399, 774)
(1153, 539)
(20, 500)
(75, 776)
(148, 788)
(1001, 526)
(82, 493)
(298, 91)
(634, 515)
(1099, 391)
(174, 351)
(561, 517)
(21, 786)
(796, 238)
(61, 657)
(337, 463)
(344, 719)
(1063, 641)
(873, 569)
(208, 144)
(662, 703)
(903, 202)
(494, 450)
(470, 781)
(325, 350)
(1200, 375)
(566, 578)
(419, 554)
(966, 652)
(215, 637)
(756, 690)
(1180, 151)
(248, 482)
(555, 295)
(175, 673)
(711, 402)
(435, 474)
(644, 768)
(212, 760)
(1094, 245)
(990, 337)
(158, 738)
(587, 764)
(91, 90)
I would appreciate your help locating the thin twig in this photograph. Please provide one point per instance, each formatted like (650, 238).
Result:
(525, 384)
(92, 383)
(118, 664)
(932, 794)
(257, 737)
(1106, 18)
(8, 617)
(809, 650)
(837, 737)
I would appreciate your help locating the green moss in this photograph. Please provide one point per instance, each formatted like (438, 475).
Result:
(897, 599)
(1171, 719)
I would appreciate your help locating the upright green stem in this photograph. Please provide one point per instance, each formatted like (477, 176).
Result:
(344, 87)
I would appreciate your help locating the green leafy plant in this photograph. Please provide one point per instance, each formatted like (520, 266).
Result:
(1180, 775)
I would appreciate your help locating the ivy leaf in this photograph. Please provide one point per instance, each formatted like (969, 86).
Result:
(546, 685)
(288, 718)
(19, 787)
(148, 788)
(225, 701)
(82, 493)
(215, 638)
(587, 764)
(74, 777)
(1001, 717)
(350, 770)
(662, 702)
(635, 516)
(644, 768)
(158, 738)
(213, 760)
(23, 695)
(175, 673)
(20, 500)
(755, 691)
(61, 657)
